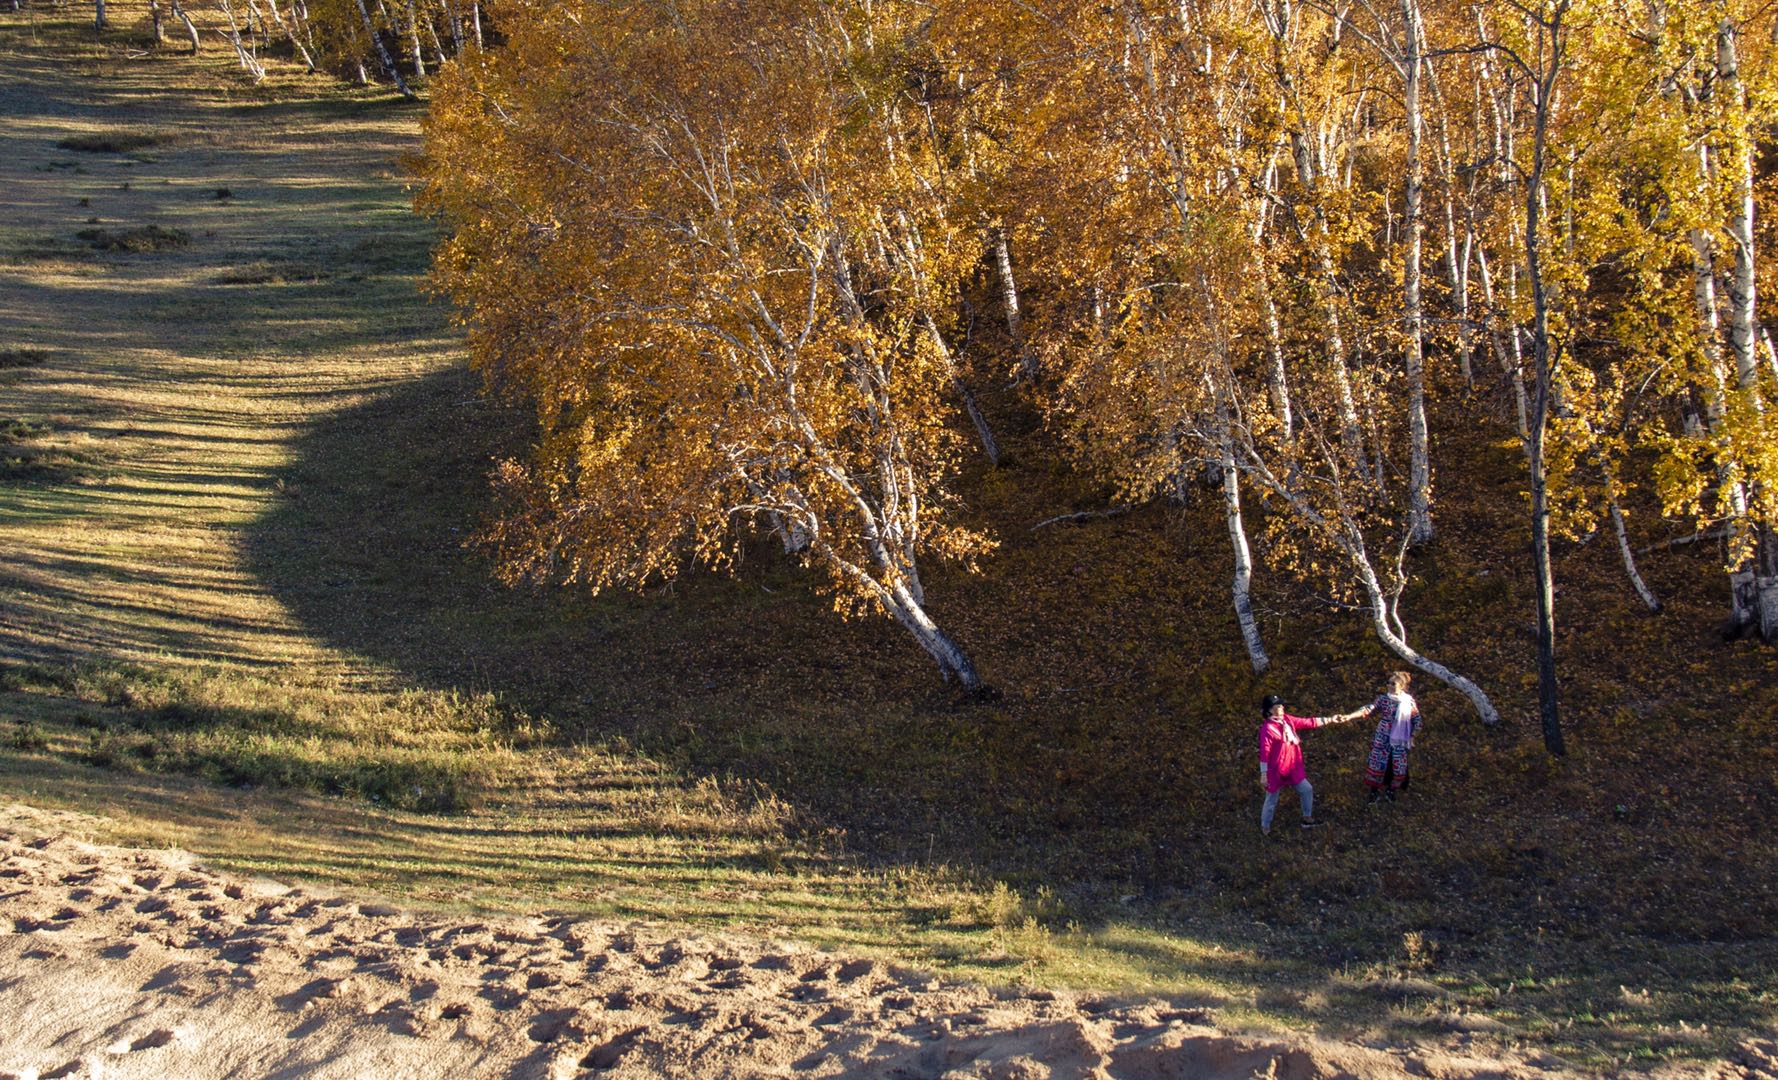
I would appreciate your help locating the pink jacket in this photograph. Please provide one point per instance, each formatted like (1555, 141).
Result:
(1281, 752)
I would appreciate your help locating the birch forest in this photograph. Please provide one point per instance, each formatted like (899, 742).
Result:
(735, 255)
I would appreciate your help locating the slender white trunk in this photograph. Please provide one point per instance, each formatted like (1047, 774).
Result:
(1026, 369)
(1327, 291)
(1276, 373)
(1743, 317)
(389, 68)
(1243, 576)
(953, 662)
(1386, 621)
(1753, 583)
(248, 61)
(413, 27)
(1629, 557)
(191, 28)
(1419, 452)
(1456, 255)
(290, 32)
(990, 446)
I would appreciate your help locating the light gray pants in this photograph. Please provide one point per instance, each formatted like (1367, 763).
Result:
(1304, 793)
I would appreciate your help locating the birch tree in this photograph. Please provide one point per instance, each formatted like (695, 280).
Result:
(657, 241)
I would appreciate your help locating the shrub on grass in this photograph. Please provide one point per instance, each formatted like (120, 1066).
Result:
(25, 736)
(22, 358)
(113, 142)
(144, 239)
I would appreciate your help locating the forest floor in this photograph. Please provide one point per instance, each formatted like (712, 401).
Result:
(240, 464)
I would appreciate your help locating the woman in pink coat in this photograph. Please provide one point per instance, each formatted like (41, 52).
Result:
(1281, 759)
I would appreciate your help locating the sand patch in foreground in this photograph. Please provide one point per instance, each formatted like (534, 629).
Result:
(124, 963)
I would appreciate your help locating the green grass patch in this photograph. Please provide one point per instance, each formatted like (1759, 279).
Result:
(414, 750)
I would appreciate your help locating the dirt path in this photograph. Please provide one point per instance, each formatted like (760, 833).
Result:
(122, 963)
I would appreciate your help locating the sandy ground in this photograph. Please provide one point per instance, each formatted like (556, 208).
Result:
(117, 962)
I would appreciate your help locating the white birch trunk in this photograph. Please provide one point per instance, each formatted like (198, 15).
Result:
(290, 32)
(413, 26)
(953, 662)
(990, 446)
(1241, 585)
(1385, 620)
(370, 30)
(1419, 452)
(1753, 583)
(1629, 557)
(1026, 369)
(191, 28)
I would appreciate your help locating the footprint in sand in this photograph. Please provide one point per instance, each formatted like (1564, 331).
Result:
(312, 991)
(154, 1040)
(607, 1054)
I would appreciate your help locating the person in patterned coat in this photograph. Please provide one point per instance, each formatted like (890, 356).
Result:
(1398, 721)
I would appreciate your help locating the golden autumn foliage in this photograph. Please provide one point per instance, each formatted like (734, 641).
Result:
(733, 254)
(705, 241)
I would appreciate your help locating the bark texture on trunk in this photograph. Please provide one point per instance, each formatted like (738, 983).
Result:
(1419, 452)
(953, 662)
(191, 28)
(1386, 621)
(413, 27)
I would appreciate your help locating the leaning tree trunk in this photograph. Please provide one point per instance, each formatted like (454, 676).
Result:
(154, 20)
(289, 32)
(191, 28)
(953, 662)
(370, 30)
(1629, 556)
(990, 446)
(1386, 622)
(247, 60)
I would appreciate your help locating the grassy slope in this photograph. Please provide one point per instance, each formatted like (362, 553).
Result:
(236, 491)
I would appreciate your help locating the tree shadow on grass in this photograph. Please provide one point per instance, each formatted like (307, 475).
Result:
(371, 543)
(1096, 788)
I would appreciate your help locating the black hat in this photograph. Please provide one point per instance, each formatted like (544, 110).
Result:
(1266, 703)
